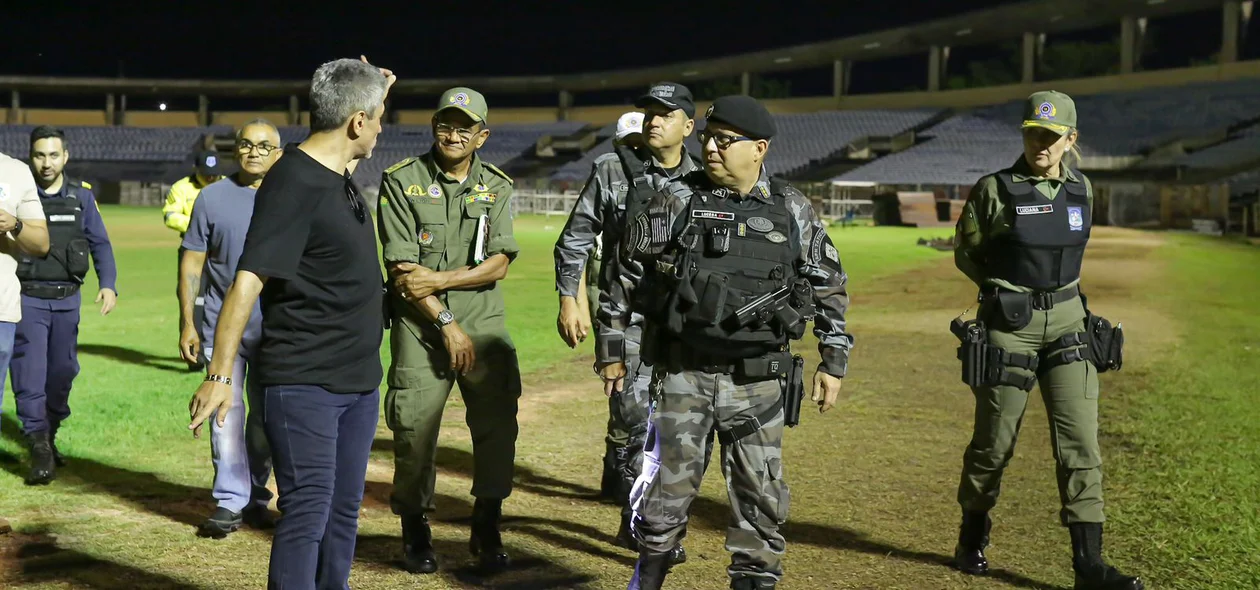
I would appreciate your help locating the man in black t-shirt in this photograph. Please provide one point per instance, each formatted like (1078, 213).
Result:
(310, 254)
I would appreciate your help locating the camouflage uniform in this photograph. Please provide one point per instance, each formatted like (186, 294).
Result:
(600, 215)
(688, 403)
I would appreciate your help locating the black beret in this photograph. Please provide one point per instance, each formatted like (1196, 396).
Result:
(744, 113)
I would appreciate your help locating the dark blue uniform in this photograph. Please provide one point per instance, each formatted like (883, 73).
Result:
(45, 356)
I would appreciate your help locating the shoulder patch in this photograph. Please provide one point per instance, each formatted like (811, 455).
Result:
(400, 165)
(85, 184)
(495, 169)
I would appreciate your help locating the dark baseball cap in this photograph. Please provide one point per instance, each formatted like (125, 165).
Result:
(744, 113)
(671, 94)
(209, 164)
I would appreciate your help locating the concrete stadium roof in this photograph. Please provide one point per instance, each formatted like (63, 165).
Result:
(972, 28)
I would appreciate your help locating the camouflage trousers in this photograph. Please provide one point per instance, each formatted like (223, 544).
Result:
(687, 405)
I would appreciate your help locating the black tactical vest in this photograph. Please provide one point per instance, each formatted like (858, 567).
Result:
(67, 259)
(731, 253)
(1046, 244)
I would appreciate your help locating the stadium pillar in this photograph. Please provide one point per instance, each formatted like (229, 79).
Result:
(295, 112)
(15, 108)
(1229, 31)
(566, 103)
(1030, 58)
(109, 110)
(203, 110)
(745, 84)
(935, 64)
(1128, 44)
(840, 70)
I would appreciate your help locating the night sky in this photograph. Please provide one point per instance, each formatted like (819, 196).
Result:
(244, 40)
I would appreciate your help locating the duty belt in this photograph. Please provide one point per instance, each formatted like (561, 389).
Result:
(683, 357)
(1041, 300)
(48, 290)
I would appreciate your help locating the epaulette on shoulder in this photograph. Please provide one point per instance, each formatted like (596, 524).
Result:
(85, 184)
(495, 169)
(399, 165)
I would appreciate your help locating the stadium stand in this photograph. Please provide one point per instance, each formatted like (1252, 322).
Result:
(802, 139)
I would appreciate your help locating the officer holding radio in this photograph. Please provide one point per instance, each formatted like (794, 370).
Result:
(736, 264)
(1021, 238)
(45, 350)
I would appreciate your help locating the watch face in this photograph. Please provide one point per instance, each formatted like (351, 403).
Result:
(446, 317)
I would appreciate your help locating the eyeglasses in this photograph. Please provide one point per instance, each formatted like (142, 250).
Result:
(722, 140)
(264, 149)
(356, 201)
(464, 133)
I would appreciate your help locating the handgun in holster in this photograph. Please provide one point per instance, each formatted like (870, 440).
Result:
(794, 391)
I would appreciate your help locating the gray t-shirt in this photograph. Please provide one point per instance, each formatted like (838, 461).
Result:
(220, 220)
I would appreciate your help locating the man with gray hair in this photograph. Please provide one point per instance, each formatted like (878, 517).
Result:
(310, 258)
(211, 248)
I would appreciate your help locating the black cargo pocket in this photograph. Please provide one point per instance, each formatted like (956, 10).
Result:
(401, 397)
(1015, 310)
(77, 257)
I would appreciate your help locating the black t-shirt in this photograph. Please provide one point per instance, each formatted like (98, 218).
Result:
(321, 305)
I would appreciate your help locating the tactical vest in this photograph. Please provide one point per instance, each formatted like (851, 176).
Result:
(67, 259)
(731, 253)
(1046, 243)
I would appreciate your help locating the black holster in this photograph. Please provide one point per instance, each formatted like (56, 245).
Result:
(985, 365)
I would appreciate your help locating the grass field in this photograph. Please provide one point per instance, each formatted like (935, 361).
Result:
(873, 481)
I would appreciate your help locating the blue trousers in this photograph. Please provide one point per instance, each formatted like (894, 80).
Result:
(45, 363)
(238, 449)
(7, 331)
(320, 442)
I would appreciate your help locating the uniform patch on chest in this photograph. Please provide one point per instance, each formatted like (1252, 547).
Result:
(760, 224)
(426, 237)
(413, 190)
(481, 198)
(1076, 219)
(706, 214)
(776, 237)
(435, 191)
(1034, 209)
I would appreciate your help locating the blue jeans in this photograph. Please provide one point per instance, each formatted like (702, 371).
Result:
(238, 449)
(7, 331)
(320, 442)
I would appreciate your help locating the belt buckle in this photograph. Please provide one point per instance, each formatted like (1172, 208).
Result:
(1043, 300)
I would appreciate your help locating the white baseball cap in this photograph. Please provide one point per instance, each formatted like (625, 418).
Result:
(631, 122)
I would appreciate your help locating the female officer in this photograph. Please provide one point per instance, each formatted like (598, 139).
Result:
(1021, 238)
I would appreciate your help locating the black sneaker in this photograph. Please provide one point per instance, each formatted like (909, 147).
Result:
(220, 524)
(258, 517)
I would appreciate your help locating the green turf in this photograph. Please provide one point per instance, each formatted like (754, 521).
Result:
(872, 482)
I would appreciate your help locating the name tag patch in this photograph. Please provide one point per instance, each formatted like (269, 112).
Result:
(60, 218)
(1076, 219)
(1034, 209)
(706, 214)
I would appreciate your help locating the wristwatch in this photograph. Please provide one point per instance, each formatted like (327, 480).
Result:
(17, 229)
(445, 318)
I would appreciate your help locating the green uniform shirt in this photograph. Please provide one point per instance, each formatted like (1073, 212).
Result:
(427, 217)
(986, 215)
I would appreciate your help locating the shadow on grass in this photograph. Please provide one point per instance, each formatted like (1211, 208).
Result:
(181, 503)
(134, 357)
(526, 479)
(528, 571)
(33, 557)
(705, 512)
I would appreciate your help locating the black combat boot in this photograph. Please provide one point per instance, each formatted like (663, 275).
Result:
(625, 538)
(973, 537)
(43, 466)
(1092, 573)
(749, 583)
(52, 442)
(418, 556)
(485, 541)
(649, 571)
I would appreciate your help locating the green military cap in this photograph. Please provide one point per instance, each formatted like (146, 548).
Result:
(1052, 110)
(465, 99)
